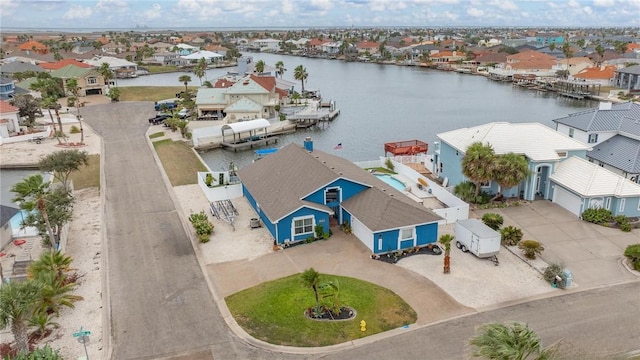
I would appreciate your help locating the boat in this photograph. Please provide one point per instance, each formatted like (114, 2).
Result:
(261, 153)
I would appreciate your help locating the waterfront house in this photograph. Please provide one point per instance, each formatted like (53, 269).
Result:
(613, 130)
(602, 75)
(574, 65)
(119, 66)
(628, 78)
(9, 119)
(297, 189)
(7, 88)
(370, 47)
(50, 66)
(89, 80)
(531, 62)
(543, 148)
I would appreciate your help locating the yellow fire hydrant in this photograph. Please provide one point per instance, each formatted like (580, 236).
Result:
(363, 325)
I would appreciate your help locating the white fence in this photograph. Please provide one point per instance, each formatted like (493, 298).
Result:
(219, 191)
(45, 131)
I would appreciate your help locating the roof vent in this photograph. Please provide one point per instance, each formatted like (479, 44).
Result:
(605, 106)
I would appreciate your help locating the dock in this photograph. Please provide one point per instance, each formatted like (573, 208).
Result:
(314, 113)
(249, 143)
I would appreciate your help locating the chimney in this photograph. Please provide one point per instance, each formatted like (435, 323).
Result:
(308, 144)
(605, 106)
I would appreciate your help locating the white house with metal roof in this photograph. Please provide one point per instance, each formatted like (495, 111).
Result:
(613, 130)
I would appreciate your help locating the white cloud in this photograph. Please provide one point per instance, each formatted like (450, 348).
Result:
(188, 5)
(587, 10)
(287, 7)
(154, 13)
(108, 5)
(8, 7)
(604, 3)
(475, 12)
(573, 4)
(322, 4)
(77, 12)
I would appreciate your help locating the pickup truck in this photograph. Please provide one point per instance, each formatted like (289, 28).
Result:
(166, 104)
(158, 119)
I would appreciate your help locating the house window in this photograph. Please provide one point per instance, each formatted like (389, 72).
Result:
(92, 81)
(486, 184)
(571, 132)
(638, 204)
(593, 138)
(406, 234)
(380, 242)
(562, 154)
(303, 226)
(621, 207)
(607, 203)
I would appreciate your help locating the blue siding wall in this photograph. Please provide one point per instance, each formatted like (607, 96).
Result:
(348, 189)
(265, 220)
(389, 241)
(451, 164)
(427, 234)
(284, 225)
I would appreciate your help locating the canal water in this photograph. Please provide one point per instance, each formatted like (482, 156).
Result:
(384, 103)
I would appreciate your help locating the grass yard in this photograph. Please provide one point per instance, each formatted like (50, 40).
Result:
(156, 135)
(179, 161)
(152, 93)
(274, 312)
(88, 175)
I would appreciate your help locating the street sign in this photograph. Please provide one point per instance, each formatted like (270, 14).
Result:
(81, 333)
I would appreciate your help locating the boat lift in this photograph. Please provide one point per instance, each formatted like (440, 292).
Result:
(224, 210)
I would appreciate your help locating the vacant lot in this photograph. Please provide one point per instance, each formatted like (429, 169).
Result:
(152, 93)
(179, 161)
(88, 175)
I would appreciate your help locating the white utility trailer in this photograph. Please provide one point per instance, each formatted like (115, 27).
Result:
(474, 236)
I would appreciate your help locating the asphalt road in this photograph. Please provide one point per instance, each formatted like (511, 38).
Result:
(161, 307)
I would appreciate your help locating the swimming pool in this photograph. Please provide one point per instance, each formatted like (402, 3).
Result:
(395, 183)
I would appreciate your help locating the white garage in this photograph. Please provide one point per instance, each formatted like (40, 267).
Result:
(567, 200)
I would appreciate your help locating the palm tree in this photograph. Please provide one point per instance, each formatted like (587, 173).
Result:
(17, 307)
(54, 294)
(477, 164)
(300, 73)
(106, 73)
(568, 53)
(511, 341)
(280, 68)
(53, 261)
(311, 278)
(72, 86)
(31, 194)
(600, 51)
(185, 79)
(511, 169)
(51, 90)
(260, 67)
(445, 240)
(201, 69)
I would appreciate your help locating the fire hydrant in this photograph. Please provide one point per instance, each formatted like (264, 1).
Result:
(363, 325)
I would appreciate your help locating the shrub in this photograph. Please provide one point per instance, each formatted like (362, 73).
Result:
(493, 220)
(319, 230)
(465, 191)
(597, 216)
(633, 253)
(552, 271)
(623, 222)
(389, 164)
(531, 248)
(626, 227)
(202, 225)
(510, 235)
(74, 129)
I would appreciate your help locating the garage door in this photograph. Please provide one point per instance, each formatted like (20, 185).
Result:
(567, 200)
(362, 233)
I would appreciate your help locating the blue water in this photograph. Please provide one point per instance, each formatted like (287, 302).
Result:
(397, 184)
(17, 219)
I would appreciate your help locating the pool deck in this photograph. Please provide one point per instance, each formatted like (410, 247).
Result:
(412, 190)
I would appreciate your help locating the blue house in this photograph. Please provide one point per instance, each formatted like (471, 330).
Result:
(558, 167)
(298, 188)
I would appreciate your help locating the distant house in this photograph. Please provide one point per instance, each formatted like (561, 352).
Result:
(628, 78)
(265, 45)
(530, 62)
(574, 65)
(298, 189)
(542, 147)
(89, 80)
(613, 130)
(35, 47)
(370, 47)
(331, 48)
(49, 66)
(602, 75)
(447, 56)
(7, 88)
(9, 119)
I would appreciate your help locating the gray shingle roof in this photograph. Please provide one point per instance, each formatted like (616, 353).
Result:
(635, 69)
(624, 117)
(281, 180)
(620, 152)
(6, 213)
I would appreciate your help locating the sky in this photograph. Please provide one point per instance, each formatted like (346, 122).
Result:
(277, 14)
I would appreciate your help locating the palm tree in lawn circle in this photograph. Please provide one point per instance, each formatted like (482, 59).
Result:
(478, 164)
(31, 194)
(185, 79)
(311, 278)
(17, 306)
(260, 67)
(511, 169)
(446, 240)
(280, 68)
(300, 73)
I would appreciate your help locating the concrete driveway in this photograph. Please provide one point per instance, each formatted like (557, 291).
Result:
(591, 252)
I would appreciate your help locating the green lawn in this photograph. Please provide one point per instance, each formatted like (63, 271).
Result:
(179, 161)
(156, 135)
(274, 312)
(152, 93)
(88, 175)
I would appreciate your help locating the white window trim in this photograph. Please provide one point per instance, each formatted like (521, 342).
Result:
(486, 185)
(594, 136)
(638, 204)
(621, 206)
(607, 203)
(571, 132)
(401, 239)
(302, 218)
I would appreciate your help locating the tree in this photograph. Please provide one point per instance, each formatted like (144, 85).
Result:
(568, 53)
(52, 261)
(54, 294)
(300, 73)
(74, 89)
(31, 194)
(600, 51)
(59, 210)
(311, 278)
(552, 46)
(280, 68)
(530, 248)
(17, 307)
(260, 67)
(511, 341)
(114, 94)
(620, 47)
(28, 108)
(62, 163)
(201, 69)
(478, 163)
(511, 169)
(51, 90)
(185, 79)
(106, 73)
(445, 240)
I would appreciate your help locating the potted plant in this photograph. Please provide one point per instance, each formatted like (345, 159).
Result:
(208, 180)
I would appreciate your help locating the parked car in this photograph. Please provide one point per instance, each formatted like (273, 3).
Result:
(158, 119)
(183, 113)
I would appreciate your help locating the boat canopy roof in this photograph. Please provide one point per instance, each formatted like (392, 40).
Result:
(246, 126)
